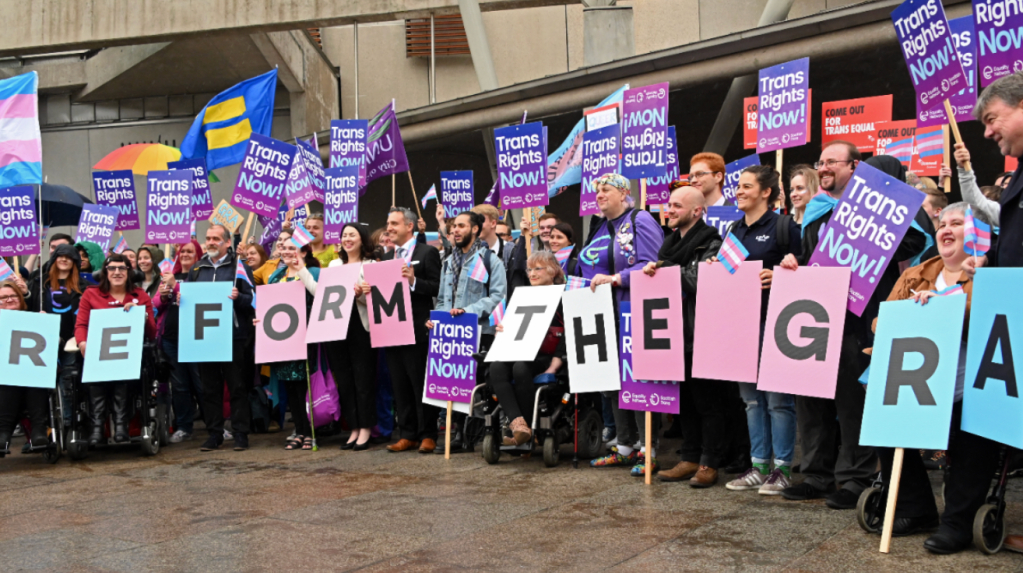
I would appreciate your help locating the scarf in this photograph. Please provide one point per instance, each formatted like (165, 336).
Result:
(679, 249)
(458, 260)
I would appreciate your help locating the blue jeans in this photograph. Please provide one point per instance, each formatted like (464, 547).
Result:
(385, 397)
(186, 388)
(772, 424)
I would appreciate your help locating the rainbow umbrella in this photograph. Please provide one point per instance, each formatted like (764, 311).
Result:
(141, 158)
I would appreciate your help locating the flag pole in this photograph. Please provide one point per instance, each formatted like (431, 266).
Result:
(309, 387)
(414, 196)
(893, 496)
(248, 225)
(649, 447)
(642, 193)
(955, 130)
(447, 434)
(947, 182)
(393, 203)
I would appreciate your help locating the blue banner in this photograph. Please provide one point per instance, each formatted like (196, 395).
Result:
(114, 348)
(29, 358)
(205, 321)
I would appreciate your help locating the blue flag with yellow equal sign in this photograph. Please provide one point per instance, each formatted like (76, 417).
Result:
(220, 133)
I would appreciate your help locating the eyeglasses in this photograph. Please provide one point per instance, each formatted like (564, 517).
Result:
(532, 270)
(700, 174)
(830, 163)
(8, 299)
(118, 269)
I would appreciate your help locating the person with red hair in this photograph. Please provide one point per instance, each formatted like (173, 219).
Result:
(707, 173)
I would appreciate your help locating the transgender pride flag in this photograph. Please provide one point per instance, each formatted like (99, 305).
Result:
(497, 316)
(732, 253)
(479, 270)
(21, 146)
(901, 150)
(930, 144)
(301, 236)
(954, 289)
(6, 272)
(431, 194)
(976, 235)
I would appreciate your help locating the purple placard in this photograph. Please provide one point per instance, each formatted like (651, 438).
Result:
(931, 57)
(311, 159)
(272, 225)
(999, 33)
(600, 157)
(521, 165)
(299, 189)
(644, 131)
(202, 194)
(450, 367)
(341, 205)
(117, 189)
(169, 206)
(642, 395)
(782, 105)
(965, 100)
(263, 175)
(19, 228)
(732, 172)
(456, 192)
(348, 146)
(97, 224)
(865, 229)
(658, 189)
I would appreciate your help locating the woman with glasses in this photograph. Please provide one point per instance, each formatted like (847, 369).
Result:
(115, 290)
(15, 399)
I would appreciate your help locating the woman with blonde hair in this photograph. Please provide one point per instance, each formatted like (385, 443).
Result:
(803, 185)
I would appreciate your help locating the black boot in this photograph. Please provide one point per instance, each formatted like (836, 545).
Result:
(98, 401)
(121, 414)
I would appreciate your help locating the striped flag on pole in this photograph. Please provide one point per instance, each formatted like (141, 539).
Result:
(301, 236)
(166, 267)
(6, 272)
(21, 145)
(976, 235)
(732, 253)
(121, 245)
(954, 289)
(497, 316)
(930, 144)
(901, 149)
(240, 274)
(431, 194)
(478, 272)
(572, 283)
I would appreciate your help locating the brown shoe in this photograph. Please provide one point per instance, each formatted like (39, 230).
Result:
(402, 445)
(705, 477)
(682, 471)
(427, 446)
(1014, 543)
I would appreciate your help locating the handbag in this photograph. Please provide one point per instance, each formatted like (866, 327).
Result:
(551, 340)
(326, 404)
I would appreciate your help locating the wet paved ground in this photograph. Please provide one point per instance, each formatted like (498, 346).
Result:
(270, 509)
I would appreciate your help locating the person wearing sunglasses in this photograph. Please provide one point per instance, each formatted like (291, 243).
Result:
(115, 290)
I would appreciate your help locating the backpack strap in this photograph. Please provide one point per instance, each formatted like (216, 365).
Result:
(782, 231)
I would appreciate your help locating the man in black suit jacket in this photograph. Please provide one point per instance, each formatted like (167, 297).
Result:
(417, 421)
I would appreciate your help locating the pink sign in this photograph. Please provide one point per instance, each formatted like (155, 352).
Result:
(658, 351)
(280, 332)
(803, 337)
(389, 305)
(726, 338)
(332, 306)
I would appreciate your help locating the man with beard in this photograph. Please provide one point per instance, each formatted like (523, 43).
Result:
(461, 293)
(703, 402)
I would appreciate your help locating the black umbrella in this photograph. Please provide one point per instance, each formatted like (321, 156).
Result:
(62, 205)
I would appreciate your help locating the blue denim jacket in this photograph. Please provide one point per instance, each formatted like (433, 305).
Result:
(472, 294)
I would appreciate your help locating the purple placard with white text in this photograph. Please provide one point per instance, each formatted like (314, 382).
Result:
(782, 105)
(169, 206)
(348, 145)
(314, 165)
(341, 205)
(521, 165)
(450, 367)
(600, 157)
(642, 395)
(644, 131)
(998, 35)
(456, 192)
(931, 57)
(658, 189)
(19, 226)
(865, 229)
(263, 175)
(97, 224)
(117, 189)
(963, 102)
(202, 195)
(732, 172)
(272, 225)
(299, 189)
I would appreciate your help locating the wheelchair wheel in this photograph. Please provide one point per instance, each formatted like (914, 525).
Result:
(551, 451)
(163, 423)
(151, 443)
(78, 450)
(590, 427)
(491, 448)
(868, 510)
(988, 530)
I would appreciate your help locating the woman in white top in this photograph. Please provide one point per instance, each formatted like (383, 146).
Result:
(352, 361)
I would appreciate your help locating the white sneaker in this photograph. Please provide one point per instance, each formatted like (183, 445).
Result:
(776, 482)
(180, 436)
(612, 443)
(752, 479)
(227, 436)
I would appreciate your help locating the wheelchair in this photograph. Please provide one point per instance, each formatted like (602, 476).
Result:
(56, 432)
(149, 422)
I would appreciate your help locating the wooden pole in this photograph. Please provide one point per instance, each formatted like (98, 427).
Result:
(17, 266)
(527, 214)
(893, 496)
(947, 183)
(248, 225)
(642, 194)
(447, 434)
(778, 158)
(414, 196)
(649, 447)
(393, 183)
(955, 129)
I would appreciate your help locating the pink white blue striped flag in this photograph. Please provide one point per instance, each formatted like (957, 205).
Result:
(572, 283)
(240, 274)
(930, 144)
(563, 254)
(301, 236)
(121, 245)
(193, 228)
(5, 271)
(21, 145)
(431, 194)
(166, 266)
(732, 253)
(954, 289)
(478, 272)
(497, 316)
(976, 235)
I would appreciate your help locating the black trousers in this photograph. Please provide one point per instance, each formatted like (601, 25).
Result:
(297, 394)
(513, 384)
(214, 375)
(416, 421)
(16, 399)
(703, 416)
(353, 365)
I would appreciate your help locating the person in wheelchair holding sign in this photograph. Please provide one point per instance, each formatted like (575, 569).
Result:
(15, 399)
(513, 382)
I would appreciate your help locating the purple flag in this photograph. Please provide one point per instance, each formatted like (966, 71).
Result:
(19, 234)
(865, 229)
(117, 189)
(999, 35)
(311, 159)
(963, 102)
(456, 192)
(521, 165)
(202, 195)
(169, 206)
(783, 105)
(732, 172)
(263, 175)
(640, 394)
(342, 201)
(644, 131)
(926, 42)
(600, 156)
(385, 152)
(450, 367)
(658, 189)
(97, 224)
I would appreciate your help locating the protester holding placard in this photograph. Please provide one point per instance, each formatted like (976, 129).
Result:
(803, 185)
(323, 253)
(115, 290)
(15, 399)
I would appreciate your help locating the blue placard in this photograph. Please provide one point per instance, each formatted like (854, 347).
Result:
(205, 322)
(456, 192)
(991, 404)
(28, 354)
(721, 216)
(732, 172)
(913, 374)
(114, 348)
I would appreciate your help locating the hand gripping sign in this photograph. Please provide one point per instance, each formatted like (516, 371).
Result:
(529, 314)
(658, 346)
(450, 366)
(114, 349)
(389, 305)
